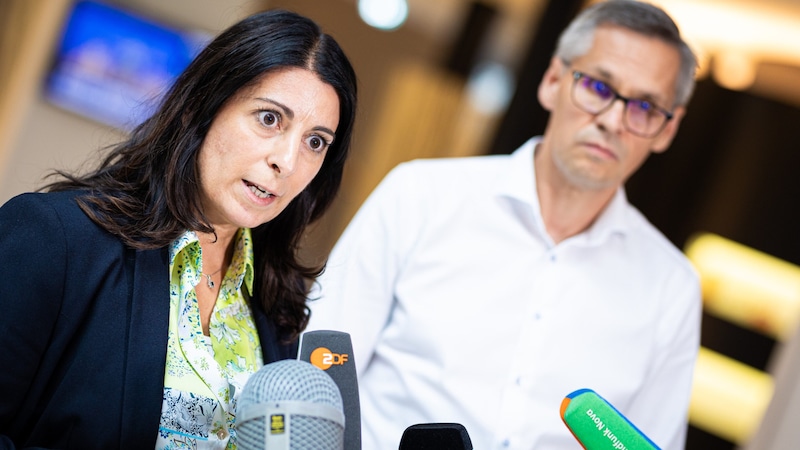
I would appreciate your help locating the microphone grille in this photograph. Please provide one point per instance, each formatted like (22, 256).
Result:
(298, 381)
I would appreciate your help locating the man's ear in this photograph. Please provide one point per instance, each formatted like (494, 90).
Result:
(662, 142)
(551, 81)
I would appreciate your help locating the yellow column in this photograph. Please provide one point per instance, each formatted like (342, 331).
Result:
(29, 30)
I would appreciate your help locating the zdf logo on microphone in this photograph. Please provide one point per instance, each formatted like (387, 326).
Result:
(324, 358)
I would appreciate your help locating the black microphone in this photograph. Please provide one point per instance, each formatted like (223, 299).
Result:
(332, 351)
(290, 405)
(436, 436)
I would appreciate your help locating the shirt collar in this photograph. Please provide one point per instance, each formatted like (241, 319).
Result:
(519, 183)
(243, 257)
(612, 220)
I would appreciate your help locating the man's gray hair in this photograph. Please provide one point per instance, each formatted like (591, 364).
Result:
(644, 18)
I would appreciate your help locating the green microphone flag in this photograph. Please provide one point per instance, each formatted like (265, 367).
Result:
(599, 426)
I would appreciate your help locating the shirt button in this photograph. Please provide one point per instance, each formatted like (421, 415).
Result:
(222, 434)
(506, 443)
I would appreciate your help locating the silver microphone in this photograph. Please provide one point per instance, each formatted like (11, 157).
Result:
(292, 405)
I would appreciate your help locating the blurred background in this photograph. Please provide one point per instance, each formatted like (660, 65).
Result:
(443, 78)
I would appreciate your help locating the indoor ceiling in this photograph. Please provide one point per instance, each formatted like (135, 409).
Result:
(749, 45)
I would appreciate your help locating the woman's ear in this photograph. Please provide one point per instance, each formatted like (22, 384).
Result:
(550, 84)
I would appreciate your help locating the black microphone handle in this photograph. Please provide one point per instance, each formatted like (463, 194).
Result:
(332, 351)
(436, 436)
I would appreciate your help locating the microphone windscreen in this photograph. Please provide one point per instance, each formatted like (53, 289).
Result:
(597, 425)
(332, 351)
(290, 404)
(436, 436)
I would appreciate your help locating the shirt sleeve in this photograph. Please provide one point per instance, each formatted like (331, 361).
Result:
(355, 292)
(661, 408)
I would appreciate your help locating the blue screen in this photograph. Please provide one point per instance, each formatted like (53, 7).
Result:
(112, 65)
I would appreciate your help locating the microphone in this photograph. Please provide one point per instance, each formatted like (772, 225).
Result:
(290, 404)
(598, 426)
(439, 436)
(332, 351)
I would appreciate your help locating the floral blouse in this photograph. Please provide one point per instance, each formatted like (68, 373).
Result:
(205, 374)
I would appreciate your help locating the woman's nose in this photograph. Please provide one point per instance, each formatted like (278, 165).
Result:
(283, 156)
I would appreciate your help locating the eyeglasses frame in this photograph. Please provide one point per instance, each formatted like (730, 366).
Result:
(577, 75)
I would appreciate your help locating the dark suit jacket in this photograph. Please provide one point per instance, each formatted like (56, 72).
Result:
(83, 331)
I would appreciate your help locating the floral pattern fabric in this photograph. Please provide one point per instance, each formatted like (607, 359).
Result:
(205, 374)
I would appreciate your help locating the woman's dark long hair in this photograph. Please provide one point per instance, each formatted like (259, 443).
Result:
(147, 189)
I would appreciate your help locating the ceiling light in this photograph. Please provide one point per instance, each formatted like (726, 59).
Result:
(383, 14)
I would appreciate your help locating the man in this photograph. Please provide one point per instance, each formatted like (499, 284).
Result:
(483, 290)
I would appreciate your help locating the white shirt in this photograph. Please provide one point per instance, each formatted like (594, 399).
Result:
(462, 309)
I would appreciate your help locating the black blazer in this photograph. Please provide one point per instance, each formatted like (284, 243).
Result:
(83, 331)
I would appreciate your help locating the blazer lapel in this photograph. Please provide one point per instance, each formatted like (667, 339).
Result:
(148, 312)
(268, 335)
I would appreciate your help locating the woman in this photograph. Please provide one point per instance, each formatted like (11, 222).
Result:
(146, 292)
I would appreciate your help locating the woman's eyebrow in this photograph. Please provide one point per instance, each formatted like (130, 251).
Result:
(325, 130)
(290, 114)
(286, 110)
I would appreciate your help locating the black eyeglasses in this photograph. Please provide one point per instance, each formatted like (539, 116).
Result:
(642, 117)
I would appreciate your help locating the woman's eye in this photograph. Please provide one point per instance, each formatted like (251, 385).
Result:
(268, 118)
(317, 143)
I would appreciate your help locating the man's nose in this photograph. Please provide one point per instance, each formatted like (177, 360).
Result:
(613, 117)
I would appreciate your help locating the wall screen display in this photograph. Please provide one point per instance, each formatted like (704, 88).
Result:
(113, 65)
